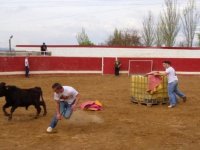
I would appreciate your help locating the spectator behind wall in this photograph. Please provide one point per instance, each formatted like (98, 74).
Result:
(117, 66)
(26, 63)
(43, 49)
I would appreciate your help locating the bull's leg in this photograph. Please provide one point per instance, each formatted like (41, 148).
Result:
(38, 111)
(44, 107)
(4, 109)
(42, 102)
(11, 112)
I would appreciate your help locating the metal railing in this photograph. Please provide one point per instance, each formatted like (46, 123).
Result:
(24, 53)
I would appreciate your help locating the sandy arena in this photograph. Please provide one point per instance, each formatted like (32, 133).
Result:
(121, 125)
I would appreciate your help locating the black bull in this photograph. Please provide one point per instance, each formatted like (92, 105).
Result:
(16, 97)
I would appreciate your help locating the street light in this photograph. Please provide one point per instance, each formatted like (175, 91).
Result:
(10, 42)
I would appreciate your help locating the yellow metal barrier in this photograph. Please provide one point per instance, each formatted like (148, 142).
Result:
(139, 94)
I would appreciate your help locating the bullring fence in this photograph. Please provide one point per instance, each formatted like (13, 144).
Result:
(100, 60)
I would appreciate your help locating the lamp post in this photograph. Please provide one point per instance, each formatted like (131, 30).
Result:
(10, 42)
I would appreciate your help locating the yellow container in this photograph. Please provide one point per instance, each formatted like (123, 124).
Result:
(139, 85)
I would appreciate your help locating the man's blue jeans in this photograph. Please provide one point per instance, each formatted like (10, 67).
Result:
(65, 110)
(173, 91)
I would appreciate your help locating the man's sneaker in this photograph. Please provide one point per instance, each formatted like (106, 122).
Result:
(171, 106)
(184, 98)
(49, 129)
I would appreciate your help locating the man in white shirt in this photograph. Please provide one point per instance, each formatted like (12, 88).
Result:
(66, 98)
(172, 84)
(26, 63)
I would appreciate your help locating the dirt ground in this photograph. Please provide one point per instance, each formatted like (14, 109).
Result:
(121, 125)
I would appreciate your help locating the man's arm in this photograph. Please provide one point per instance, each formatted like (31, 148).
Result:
(76, 101)
(58, 115)
(160, 73)
(64, 97)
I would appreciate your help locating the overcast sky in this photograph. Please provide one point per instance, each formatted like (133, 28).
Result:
(59, 21)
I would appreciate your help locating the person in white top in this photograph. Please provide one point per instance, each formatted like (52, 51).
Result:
(66, 98)
(172, 84)
(26, 63)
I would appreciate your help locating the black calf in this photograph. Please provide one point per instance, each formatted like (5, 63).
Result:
(16, 97)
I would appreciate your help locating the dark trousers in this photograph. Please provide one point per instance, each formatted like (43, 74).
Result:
(27, 71)
(43, 52)
(116, 71)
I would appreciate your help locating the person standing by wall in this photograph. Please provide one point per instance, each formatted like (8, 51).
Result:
(43, 49)
(26, 63)
(172, 84)
(117, 66)
(66, 98)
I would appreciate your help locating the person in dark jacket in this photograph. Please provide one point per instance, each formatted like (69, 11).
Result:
(43, 49)
(117, 66)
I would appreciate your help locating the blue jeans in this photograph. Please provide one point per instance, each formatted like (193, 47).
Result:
(65, 110)
(173, 91)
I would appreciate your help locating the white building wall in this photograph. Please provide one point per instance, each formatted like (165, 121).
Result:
(117, 52)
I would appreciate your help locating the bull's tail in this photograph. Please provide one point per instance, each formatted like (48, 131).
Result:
(42, 102)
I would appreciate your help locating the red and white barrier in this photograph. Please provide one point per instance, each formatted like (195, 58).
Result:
(100, 59)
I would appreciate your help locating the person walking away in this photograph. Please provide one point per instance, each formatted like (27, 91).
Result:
(66, 99)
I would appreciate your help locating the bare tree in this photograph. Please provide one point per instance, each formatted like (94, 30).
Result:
(128, 37)
(190, 20)
(115, 39)
(158, 35)
(83, 38)
(131, 37)
(170, 22)
(199, 39)
(148, 33)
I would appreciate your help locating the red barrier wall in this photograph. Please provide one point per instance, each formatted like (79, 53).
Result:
(180, 64)
(51, 63)
(108, 65)
(9, 64)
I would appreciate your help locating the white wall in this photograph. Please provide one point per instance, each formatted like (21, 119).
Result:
(117, 52)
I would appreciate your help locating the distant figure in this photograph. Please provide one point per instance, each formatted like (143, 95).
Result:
(43, 49)
(117, 66)
(26, 63)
